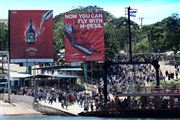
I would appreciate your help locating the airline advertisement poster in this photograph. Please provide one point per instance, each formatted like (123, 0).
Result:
(31, 35)
(84, 37)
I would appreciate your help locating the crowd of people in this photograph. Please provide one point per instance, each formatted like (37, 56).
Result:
(121, 78)
(89, 100)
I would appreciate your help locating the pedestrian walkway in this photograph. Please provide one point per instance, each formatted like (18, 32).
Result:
(74, 109)
(164, 66)
(16, 109)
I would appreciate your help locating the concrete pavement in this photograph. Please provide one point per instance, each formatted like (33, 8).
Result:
(20, 105)
(16, 109)
(72, 109)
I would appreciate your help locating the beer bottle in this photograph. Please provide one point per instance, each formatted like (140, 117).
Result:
(30, 33)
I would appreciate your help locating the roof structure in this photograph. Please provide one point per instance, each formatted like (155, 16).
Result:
(53, 75)
(63, 68)
(18, 75)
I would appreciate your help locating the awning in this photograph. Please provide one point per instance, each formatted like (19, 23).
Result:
(59, 68)
(18, 75)
(3, 83)
(53, 75)
(71, 69)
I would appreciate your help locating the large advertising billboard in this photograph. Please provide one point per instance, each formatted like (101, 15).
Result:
(84, 37)
(31, 36)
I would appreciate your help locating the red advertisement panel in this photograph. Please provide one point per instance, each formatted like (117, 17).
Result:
(31, 35)
(84, 37)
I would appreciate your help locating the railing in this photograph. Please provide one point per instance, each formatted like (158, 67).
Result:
(166, 89)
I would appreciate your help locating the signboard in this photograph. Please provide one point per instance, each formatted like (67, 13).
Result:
(84, 37)
(31, 36)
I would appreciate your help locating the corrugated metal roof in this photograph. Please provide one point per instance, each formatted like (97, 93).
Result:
(53, 75)
(63, 76)
(59, 68)
(18, 75)
(71, 69)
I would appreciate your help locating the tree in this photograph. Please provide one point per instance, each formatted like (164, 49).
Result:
(173, 33)
(4, 36)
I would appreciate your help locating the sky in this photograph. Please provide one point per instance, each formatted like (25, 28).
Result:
(151, 11)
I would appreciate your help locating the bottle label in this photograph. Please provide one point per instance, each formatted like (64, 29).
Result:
(30, 38)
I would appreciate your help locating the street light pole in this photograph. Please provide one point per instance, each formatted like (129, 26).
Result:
(141, 19)
(9, 82)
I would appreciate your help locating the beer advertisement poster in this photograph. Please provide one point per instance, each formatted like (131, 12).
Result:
(31, 35)
(84, 37)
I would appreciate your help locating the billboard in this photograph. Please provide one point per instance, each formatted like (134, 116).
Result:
(84, 37)
(31, 36)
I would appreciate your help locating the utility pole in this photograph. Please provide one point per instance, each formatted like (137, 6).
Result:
(129, 33)
(131, 12)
